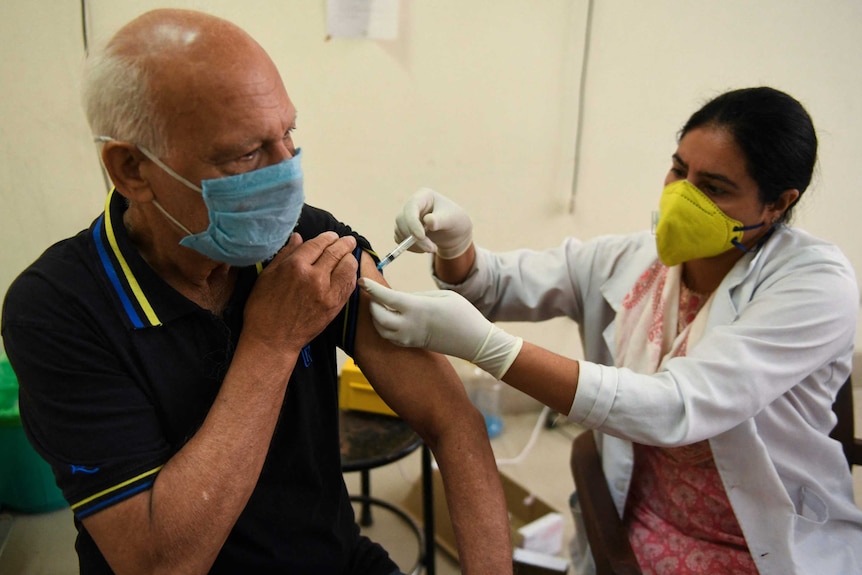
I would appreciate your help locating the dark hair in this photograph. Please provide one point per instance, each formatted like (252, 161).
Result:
(774, 132)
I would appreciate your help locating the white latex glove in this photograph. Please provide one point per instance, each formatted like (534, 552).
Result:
(444, 322)
(439, 225)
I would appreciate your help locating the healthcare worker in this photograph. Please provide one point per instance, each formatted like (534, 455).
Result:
(714, 348)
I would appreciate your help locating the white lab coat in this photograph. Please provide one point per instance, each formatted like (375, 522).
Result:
(759, 384)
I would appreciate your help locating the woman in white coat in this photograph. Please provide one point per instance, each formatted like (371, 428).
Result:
(714, 348)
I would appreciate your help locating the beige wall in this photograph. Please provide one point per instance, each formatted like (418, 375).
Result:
(477, 99)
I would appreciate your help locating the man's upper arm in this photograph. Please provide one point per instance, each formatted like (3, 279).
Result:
(422, 387)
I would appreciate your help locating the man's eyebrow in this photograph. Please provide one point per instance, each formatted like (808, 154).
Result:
(709, 175)
(226, 152)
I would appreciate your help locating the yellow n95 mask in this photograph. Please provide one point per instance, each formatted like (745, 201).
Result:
(690, 226)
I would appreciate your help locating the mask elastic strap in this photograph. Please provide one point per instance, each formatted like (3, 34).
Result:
(168, 169)
(162, 165)
(760, 242)
(156, 161)
(751, 227)
(173, 220)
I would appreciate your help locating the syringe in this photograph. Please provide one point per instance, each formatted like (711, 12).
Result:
(399, 249)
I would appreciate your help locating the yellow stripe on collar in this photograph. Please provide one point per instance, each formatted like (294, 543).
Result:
(127, 272)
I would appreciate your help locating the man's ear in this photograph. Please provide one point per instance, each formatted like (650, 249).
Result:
(123, 163)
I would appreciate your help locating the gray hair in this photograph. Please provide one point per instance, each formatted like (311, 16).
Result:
(117, 98)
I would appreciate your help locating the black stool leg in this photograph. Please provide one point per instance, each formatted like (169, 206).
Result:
(365, 481)
(428, 510)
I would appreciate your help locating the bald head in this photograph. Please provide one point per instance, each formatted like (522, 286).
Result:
(182, 36)
(159, 67)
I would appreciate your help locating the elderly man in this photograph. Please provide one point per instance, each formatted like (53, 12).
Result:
(177, 360)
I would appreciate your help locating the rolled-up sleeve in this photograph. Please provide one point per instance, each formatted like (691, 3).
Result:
(597, 388)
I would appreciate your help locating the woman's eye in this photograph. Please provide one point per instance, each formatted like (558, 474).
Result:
(678, 172)
(714, 190)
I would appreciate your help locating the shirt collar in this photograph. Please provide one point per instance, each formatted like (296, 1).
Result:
(145, 299)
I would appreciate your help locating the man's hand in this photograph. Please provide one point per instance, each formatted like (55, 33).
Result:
(444, 322)
(439, 225)
(301, 290)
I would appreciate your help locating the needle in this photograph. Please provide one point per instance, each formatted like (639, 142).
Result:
(399, 249)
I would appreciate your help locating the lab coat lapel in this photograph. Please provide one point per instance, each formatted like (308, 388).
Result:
(735, 292)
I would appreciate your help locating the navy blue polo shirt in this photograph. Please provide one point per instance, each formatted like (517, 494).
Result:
(117, 370)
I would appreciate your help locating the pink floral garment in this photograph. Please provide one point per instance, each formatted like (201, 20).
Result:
(678, 516)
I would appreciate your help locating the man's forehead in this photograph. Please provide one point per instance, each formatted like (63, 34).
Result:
(230, 109)
(223, 139)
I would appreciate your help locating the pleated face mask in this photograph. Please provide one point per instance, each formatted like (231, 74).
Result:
(251, 214)
(690, 226)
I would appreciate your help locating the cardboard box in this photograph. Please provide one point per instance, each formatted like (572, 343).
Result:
(524, 508)
(355, 392)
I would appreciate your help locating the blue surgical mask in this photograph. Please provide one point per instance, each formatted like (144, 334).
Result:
(251, 214)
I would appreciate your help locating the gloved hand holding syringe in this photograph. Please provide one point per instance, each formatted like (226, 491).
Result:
(431, 223)
(440, 320)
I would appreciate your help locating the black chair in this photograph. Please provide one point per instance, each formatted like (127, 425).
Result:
(608, 539)
(845, 429)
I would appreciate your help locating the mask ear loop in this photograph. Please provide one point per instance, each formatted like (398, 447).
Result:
(172, 219)
(156, 161)
(737, 244)
(170, 171)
